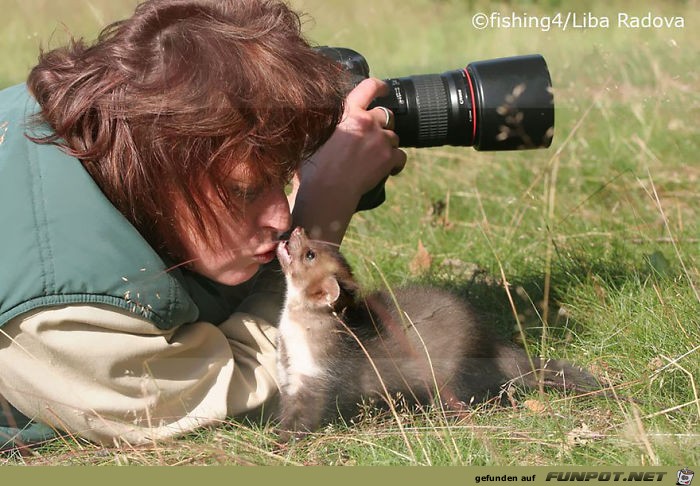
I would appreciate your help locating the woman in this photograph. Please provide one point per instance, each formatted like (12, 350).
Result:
(142, 186)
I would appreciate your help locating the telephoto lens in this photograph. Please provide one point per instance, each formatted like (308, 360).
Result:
(498, 104)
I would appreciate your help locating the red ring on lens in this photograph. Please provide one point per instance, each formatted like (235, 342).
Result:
(471, 92)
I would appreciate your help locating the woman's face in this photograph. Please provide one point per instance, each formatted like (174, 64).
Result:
(248, 240)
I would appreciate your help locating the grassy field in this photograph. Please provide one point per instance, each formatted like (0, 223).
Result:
(592, 247)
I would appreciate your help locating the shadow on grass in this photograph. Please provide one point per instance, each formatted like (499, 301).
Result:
(524, 300)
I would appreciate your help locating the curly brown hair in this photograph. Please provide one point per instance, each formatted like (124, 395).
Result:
(168, 103)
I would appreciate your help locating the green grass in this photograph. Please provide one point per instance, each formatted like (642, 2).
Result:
(592, 246)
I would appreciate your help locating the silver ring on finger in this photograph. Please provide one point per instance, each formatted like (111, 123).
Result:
(387, 114)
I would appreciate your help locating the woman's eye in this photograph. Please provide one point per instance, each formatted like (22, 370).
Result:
(244, 194)
(310, 255)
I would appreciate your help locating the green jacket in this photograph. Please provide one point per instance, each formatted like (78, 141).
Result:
(62, 242)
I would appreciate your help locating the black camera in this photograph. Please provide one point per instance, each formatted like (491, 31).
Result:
(497, 104)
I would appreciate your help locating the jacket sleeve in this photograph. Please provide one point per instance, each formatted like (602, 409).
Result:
(108, 376)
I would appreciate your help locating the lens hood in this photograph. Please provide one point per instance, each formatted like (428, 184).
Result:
(513, 103)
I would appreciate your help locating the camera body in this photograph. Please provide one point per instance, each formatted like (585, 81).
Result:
(497, 104)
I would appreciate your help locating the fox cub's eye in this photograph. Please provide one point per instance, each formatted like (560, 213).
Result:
(310, 255)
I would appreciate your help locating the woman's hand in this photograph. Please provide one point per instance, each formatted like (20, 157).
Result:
(362, 151)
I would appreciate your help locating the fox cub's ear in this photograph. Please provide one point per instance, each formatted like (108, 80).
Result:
(324, 293)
